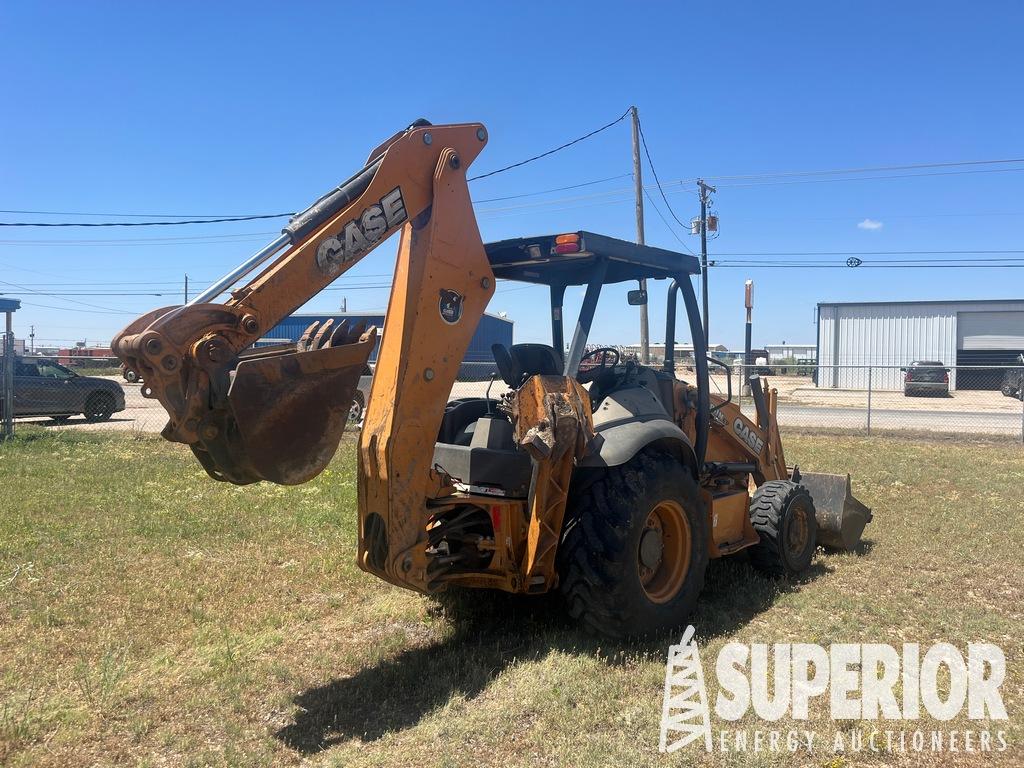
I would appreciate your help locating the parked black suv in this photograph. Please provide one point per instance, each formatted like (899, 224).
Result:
(926, 377)
(44, 388)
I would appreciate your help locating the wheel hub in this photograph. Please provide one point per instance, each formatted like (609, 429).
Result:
(651, 548)
(663, 552)
(798, 530)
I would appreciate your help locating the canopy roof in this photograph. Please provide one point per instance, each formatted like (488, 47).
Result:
(533, 260)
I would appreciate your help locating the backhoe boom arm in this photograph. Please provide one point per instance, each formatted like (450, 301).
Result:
(278, 413)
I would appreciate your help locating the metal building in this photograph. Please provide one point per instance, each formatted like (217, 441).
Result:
(491, 330)
(887, 335)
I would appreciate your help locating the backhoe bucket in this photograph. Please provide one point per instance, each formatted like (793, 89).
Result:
(288, 408)
(841, 517)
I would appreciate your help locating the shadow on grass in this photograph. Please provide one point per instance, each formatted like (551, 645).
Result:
(491, 632)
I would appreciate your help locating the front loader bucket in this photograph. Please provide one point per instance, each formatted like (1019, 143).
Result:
(841, 517)
(288, 409)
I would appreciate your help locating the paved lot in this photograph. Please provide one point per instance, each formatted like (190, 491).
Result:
(969, 412)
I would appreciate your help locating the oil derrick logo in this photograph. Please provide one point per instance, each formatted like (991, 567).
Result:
(684, 715)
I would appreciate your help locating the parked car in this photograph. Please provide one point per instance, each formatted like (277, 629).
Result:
(926, 377)
(1013, 382)
(46, 388)
(362, 396)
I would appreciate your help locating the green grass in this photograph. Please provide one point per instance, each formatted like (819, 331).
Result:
(151, 616)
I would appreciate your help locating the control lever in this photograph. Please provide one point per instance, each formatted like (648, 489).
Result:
(488, 395)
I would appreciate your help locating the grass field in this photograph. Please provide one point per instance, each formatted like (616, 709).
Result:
(151, 616)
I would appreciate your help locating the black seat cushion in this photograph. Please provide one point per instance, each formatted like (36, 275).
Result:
(520, 361)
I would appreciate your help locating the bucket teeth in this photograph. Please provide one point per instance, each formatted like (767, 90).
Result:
(340, 335)
(303, 343)
(322, 335)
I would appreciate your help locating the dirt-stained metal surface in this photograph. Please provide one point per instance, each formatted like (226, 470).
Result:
(554, 425)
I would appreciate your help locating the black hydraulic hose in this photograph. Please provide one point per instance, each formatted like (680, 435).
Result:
(302, 224)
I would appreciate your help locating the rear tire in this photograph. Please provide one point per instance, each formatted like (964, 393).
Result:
(634, 548)
(782, 513)
(99, 407)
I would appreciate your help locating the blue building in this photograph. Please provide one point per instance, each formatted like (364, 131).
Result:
(491, 330)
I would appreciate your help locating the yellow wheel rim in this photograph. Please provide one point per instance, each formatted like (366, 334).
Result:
(663, 556)
(799, 530)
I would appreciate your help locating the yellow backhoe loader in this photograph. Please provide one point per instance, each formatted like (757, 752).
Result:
(612, 482)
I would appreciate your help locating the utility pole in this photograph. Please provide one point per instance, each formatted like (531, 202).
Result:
(32, 339)
(186, 288)
(748, 301)
(638, 186)
(704, 199)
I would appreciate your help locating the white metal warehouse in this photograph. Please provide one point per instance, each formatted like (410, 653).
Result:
(886, 335)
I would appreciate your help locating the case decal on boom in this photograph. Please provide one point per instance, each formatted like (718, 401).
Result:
(362, 232)
(450, 306)
(748, 436)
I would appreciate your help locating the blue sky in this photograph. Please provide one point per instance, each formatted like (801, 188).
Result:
(201, 108)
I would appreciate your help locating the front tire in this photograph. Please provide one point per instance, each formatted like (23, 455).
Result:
(782, 513)
(634, 548)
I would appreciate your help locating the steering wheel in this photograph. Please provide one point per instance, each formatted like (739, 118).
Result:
(596, 362)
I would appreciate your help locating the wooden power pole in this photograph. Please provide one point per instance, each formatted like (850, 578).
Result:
(638, 185)
(704, 189)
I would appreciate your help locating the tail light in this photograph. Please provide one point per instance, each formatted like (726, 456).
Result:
(567, 244)
(945, 377)
(907, 377)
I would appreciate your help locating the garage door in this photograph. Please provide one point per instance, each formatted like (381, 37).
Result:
(990, 330)
(987, 339)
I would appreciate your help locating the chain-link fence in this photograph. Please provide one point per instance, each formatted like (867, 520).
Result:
(931, 399)
(926, 398)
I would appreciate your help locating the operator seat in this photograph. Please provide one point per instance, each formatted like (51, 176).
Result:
(521, 361)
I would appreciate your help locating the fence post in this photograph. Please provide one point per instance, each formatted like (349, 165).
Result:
(870, 368)
(7, 392)
(1021, 395)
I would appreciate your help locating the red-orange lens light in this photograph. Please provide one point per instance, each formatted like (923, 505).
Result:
(567, 244)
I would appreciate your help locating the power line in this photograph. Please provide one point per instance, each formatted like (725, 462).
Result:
(73, 301)
(869, 253)
(76, 309)
(369, 286)
(868, 169)
(865, 265)
(141, 223)
(251, 217)
(656, 179)
(872, 178)
(556, 189)
(664, 221)
(551, 151)
(204, 219)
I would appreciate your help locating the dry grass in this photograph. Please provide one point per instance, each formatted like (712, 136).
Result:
(151, 616)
